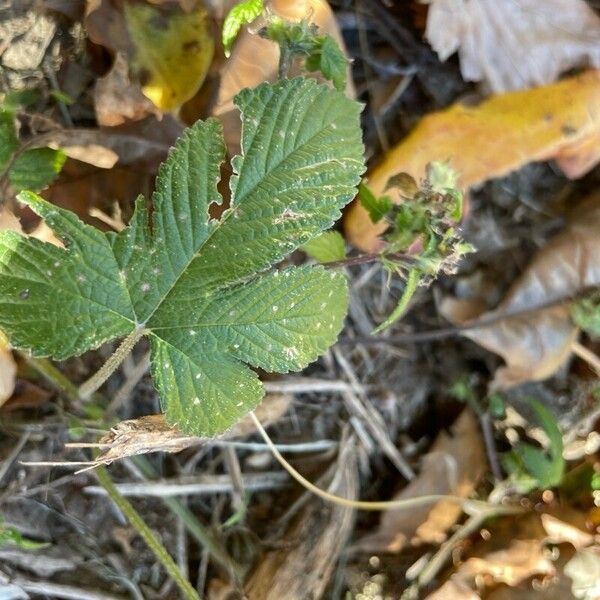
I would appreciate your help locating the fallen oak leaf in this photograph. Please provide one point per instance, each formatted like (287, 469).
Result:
(517, 44)
(535, 345)
(556, 121)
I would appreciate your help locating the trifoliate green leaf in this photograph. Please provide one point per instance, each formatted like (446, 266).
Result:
(197, 286)
(36, 168)
(240, 14)
(327, 247)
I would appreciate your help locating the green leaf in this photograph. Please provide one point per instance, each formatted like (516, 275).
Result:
(333, 63)
(327, 247)
(240, 14)
(196, 285)
(377, 208)
(547, 467)
(13, 537)
(36, 168)
(8, 137)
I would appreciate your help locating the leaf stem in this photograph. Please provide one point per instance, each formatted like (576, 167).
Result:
(88, 387)
(285, 61)
(362, 259)
(146, 534)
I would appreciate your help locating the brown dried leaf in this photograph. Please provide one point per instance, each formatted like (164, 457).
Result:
(117, 99)
(314, 541)
(517, 44)
(254, 60)
(560, 532)
(535, 345)
(521, 560)
(453, 466)
(153, 434)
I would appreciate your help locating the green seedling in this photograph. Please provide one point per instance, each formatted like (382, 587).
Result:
(205, 292)
(422, 228)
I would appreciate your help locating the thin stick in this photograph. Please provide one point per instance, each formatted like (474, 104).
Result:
(147, 535)
(446, 332)
(587, 355)
(403, 503)
(112, 364)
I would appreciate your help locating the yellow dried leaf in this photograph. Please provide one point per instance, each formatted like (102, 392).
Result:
(492, 139)
(172, 51)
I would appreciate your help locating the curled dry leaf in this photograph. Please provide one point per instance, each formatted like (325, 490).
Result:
(315, 537)
(243, 70)
(560, 121)
(153, 434)
(515, 44)
(535, 345)
(169, 48)
(453, 466)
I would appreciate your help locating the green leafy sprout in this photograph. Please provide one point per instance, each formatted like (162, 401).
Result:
(205, 292)
(302, 39)
(422, 228)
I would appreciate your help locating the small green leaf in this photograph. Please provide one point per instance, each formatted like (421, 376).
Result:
(241, 14)
(35, 169)
(327, 247)
(11, 536)
(203, 290)
(333, 63)
(547, 467)
(377, 208)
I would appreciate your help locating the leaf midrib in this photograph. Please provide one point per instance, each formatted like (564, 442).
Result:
(233, 204)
